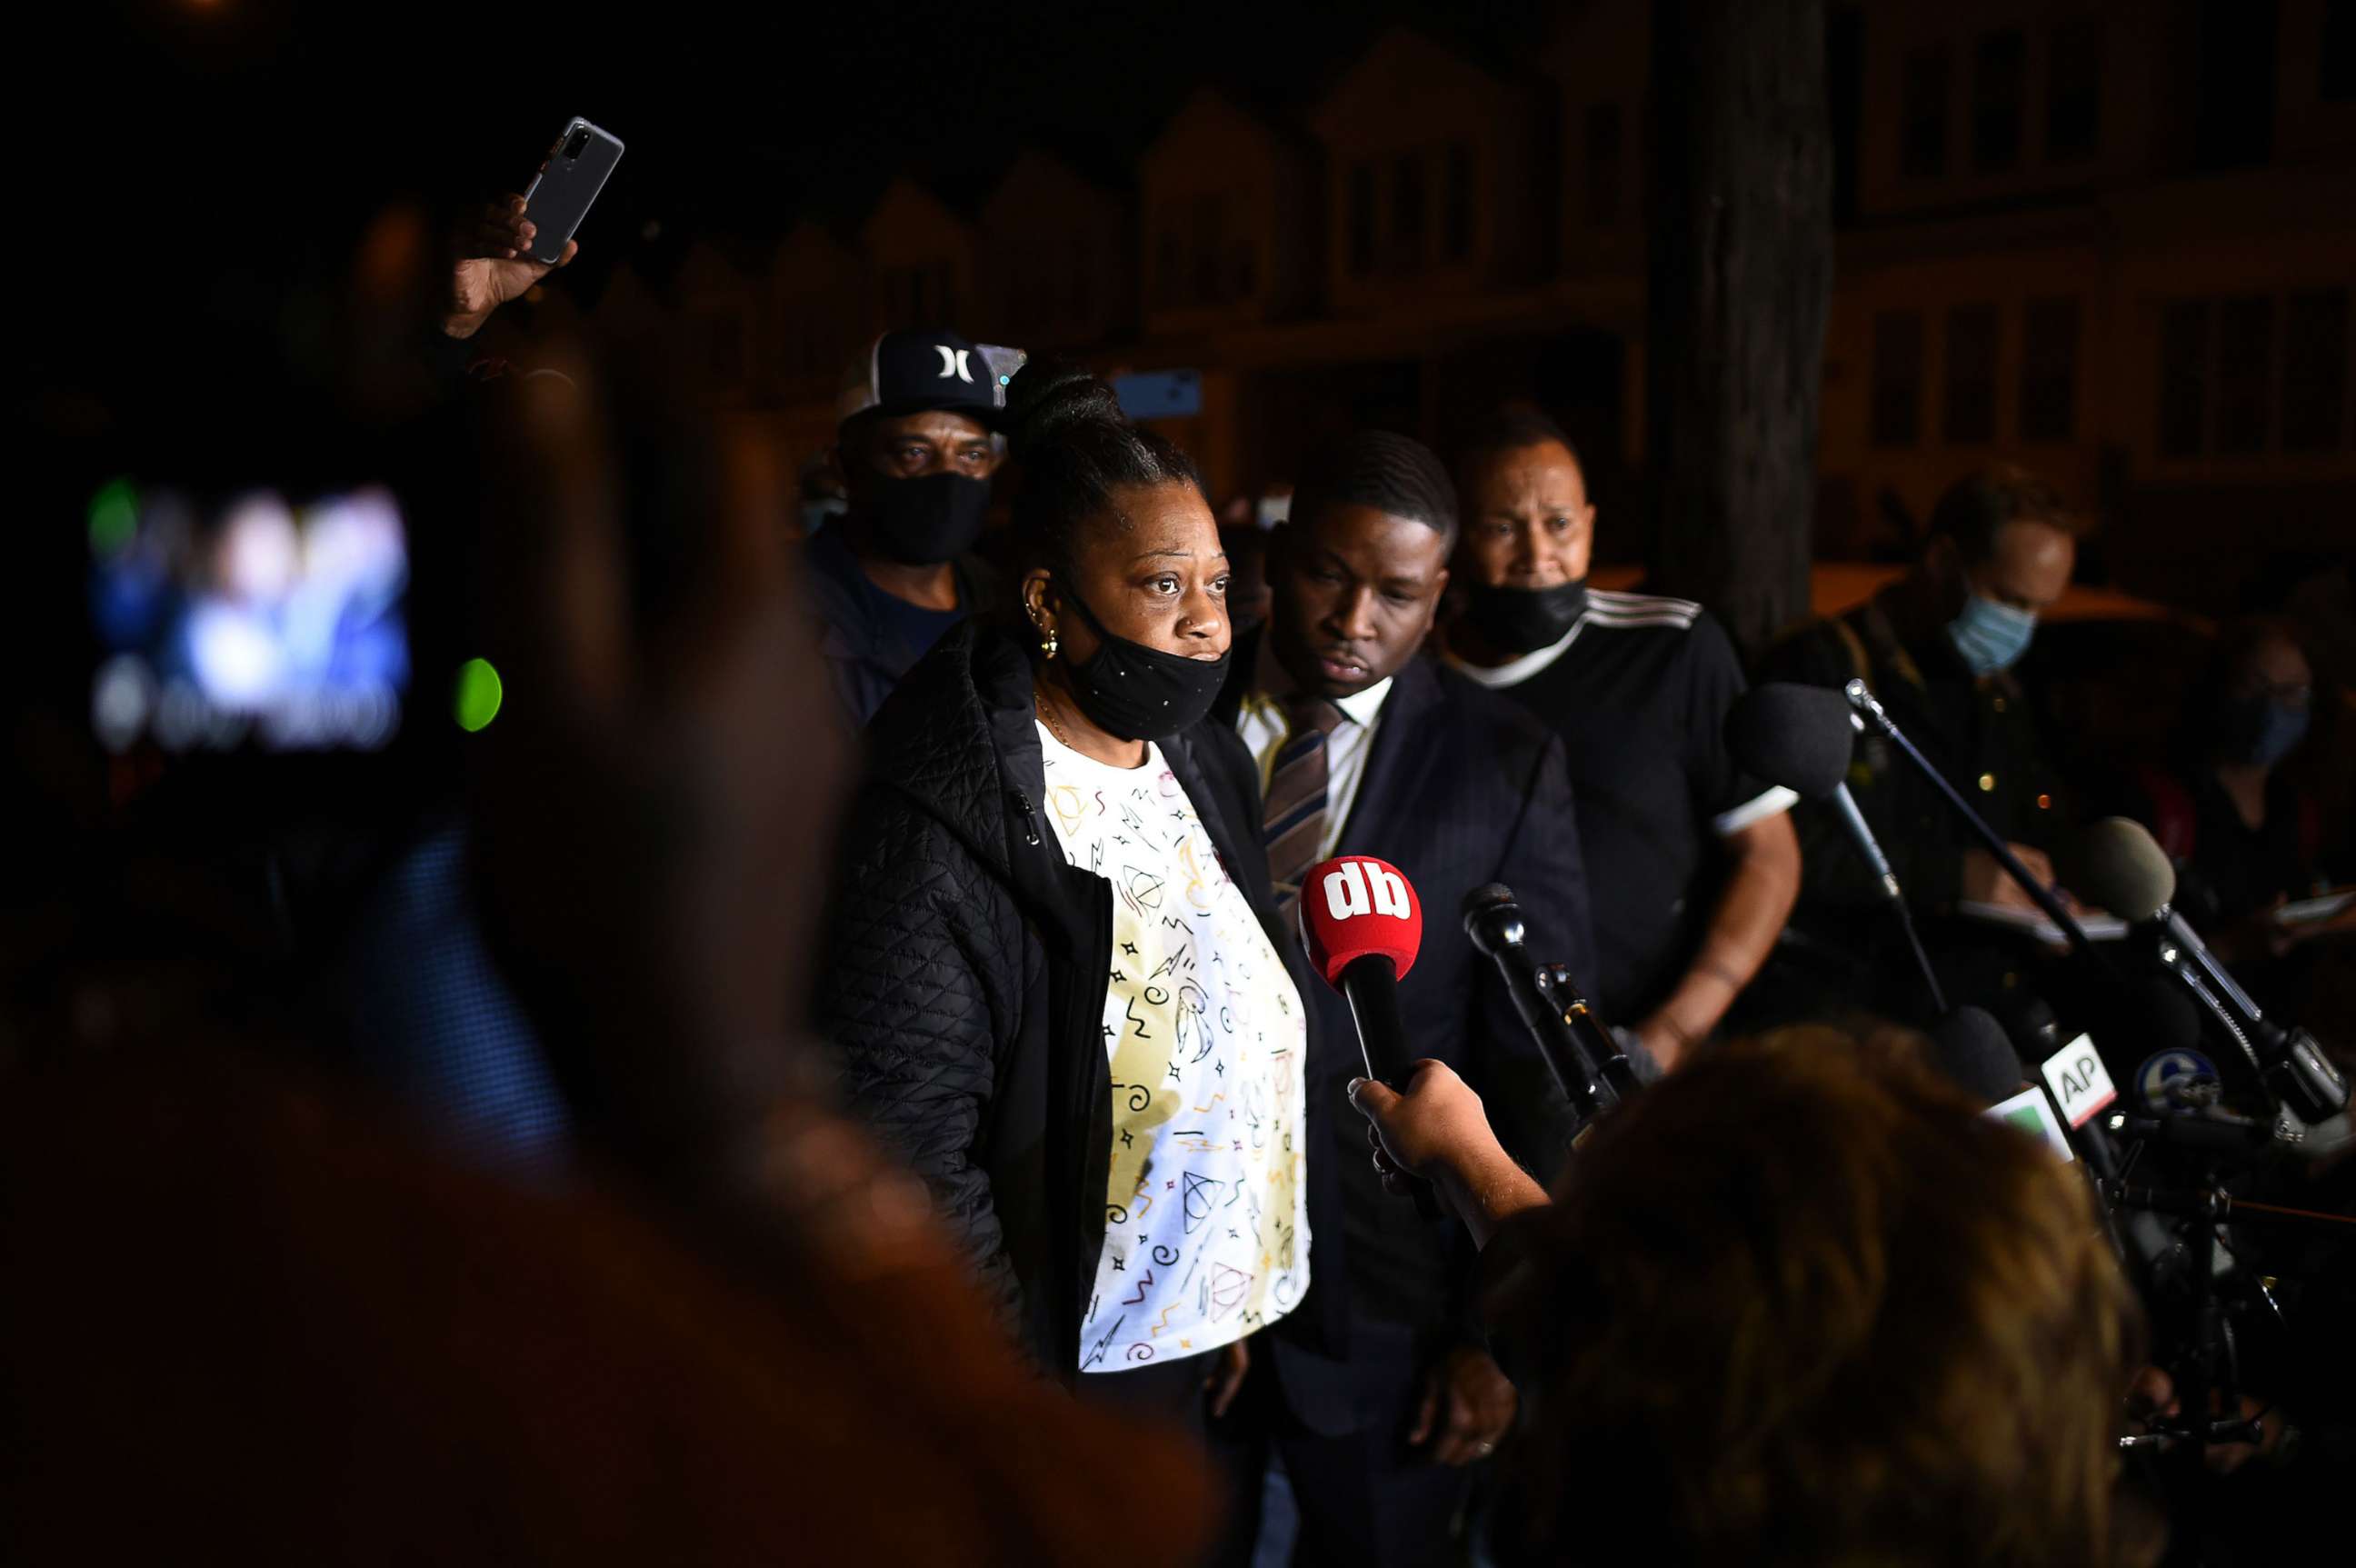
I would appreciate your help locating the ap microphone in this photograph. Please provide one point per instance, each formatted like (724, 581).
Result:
(2128, 874)
(1801, 737)
(2065, 1089)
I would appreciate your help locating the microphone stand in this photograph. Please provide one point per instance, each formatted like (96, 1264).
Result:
(1870, 707)
(1598, 1044)
(1587, 1061)
(2212, 1361)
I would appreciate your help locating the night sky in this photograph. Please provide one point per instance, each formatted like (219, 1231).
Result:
(207, 155)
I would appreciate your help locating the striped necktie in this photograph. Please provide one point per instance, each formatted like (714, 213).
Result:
(1294, 826)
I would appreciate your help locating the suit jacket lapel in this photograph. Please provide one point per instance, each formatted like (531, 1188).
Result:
(1402, 755)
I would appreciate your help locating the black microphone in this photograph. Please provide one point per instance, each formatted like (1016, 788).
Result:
(1594, 1072)
(2128, 874)
(1988, 1062)
(1802, 738)
(1974, 1052)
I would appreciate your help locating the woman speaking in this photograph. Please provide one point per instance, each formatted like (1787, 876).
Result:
(1053, 974)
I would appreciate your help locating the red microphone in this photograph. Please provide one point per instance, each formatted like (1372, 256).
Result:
(1362, 927)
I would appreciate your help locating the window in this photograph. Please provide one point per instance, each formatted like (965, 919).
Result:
(2049, 369)
(2245, 341)
(2236, 52)
(1457, 194)
(2000, 72)
(1603, 160)
(2183, 376)
(1361, 219)
(1406, 213)
(2314, 370)
(1922, 112)
(2073, 90)
(1969, 416)
(1896, 378)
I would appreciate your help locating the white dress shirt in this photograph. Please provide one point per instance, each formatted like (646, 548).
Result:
(1262, 725)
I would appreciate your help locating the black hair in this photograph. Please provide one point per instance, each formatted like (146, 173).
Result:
(1512, 428)
(1074, 447)
(1393, 474)
(1976, 508)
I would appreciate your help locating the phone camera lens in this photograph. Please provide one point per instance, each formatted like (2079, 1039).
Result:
(579, 140)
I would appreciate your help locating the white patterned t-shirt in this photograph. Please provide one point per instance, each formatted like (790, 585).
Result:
(1206, 1221)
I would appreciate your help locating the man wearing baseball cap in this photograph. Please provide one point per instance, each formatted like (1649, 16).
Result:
(920, 411)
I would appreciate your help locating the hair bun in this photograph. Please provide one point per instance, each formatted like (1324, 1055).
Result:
(1050, 401)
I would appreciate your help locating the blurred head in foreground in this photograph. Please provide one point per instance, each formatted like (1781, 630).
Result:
(1803, 1304)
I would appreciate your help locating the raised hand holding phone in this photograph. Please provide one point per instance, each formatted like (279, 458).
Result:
(492, 263)
(513, 242)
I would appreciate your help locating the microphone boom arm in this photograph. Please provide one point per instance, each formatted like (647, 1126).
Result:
(1862, 699)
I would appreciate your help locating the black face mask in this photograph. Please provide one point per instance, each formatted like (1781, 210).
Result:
(1139, 692)
(925, 521)
(1522, 620)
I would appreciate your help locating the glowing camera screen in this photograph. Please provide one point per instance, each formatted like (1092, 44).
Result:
(248, 620)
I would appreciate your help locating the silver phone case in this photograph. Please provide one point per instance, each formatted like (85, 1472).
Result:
(565, 189)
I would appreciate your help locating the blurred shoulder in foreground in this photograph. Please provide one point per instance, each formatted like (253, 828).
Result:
(249, 1320)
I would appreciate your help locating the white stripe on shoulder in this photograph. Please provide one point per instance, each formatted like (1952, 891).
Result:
(1613, 606)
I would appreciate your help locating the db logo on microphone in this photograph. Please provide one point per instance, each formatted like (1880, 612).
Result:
(1354, 887)
(1354, 908)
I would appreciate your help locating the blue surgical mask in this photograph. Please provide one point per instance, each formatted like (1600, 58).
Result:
(815, 513)
(2260, 731)
(1991, 637)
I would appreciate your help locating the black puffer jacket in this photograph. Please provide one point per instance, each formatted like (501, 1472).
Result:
(964, 981)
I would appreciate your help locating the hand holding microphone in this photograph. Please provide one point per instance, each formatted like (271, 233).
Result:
(1438, 1119)
(1437, 1133)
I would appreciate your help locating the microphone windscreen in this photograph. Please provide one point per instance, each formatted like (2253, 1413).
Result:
(1795, 736)
(1974, 1051)
(1482, 899)
(1354, 905)
(2124, 870)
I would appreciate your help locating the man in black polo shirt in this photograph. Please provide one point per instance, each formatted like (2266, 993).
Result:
(1693, 865)
(918, 446)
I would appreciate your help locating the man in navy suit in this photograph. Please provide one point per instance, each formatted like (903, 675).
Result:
(1365, 749)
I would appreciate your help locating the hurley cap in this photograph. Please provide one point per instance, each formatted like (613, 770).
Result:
(917, 371)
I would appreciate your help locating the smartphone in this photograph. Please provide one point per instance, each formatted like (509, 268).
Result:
(567, 185)
(252, 617)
